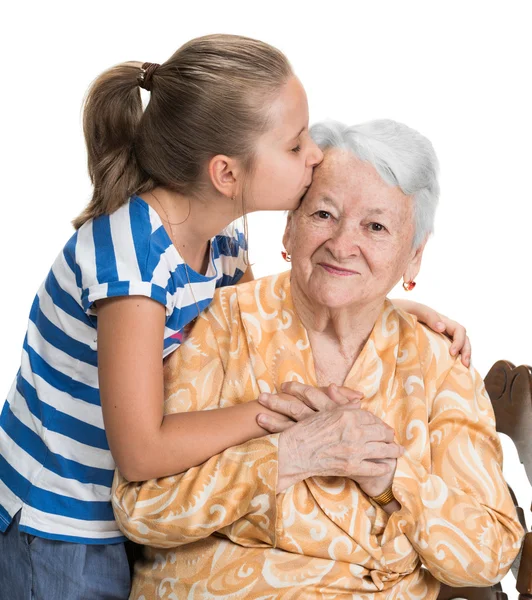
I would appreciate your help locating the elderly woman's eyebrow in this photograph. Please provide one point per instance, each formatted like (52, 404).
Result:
(326, 200)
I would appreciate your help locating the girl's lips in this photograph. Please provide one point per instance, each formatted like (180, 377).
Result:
(337, 270)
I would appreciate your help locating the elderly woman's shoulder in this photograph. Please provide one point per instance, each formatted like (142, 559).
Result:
(430, 345)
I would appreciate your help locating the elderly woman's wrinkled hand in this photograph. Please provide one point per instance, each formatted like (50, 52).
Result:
(345, 441)
(299, 401)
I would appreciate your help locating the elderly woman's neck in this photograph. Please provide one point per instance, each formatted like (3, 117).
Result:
(336, 335)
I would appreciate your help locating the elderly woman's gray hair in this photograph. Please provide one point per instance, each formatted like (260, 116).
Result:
(401, 156)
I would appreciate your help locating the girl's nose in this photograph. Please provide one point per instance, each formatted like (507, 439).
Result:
(315, 156)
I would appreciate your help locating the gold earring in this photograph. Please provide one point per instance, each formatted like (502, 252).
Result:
(408, 286)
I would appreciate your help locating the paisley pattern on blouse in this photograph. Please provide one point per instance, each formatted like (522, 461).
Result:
(219, 531)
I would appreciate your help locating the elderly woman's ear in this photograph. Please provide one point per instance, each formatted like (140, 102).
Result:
(414, 264)
(287, 241)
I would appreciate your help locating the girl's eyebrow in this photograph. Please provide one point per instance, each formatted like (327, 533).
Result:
(298, 134)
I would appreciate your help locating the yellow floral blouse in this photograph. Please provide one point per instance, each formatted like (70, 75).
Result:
(220, 531)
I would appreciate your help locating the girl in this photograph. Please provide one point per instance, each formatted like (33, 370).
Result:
(225, 133)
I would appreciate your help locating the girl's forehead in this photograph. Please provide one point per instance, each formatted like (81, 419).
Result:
(288, 113)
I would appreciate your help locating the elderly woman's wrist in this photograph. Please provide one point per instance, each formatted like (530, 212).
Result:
(374, 490)
(290, 469)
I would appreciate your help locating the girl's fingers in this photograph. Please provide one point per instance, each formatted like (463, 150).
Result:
(461, 343)
(349, 394)
(313, 397)
(458, 334)
(286, 405)
(274, 424)
(466, 353)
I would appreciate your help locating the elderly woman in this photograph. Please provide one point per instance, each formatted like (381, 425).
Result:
(382, 498)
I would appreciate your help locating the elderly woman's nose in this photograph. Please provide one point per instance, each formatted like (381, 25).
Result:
(344, 242)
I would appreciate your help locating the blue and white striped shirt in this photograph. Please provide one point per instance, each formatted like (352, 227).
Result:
(55, 462)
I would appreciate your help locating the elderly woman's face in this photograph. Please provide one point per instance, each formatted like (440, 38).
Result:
(351, 238)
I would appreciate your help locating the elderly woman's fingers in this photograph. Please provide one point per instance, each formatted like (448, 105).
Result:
(287, 405)
(369, 468)
(382, 450)
(378, 432)
(274, 424)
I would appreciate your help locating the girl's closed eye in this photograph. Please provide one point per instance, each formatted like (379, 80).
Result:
(296, 149)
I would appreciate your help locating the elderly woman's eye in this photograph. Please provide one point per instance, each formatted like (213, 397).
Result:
(322, 214)
(376, 227)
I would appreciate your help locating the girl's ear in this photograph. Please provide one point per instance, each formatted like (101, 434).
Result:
(225, 174)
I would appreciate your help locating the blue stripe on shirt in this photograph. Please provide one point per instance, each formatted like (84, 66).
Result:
(63, 300)
(230, 280)
(59, 380)
(69, 254)
(106, 269)
(55, 504)
(59, 339)
(228, 246)
(160, 242)
(141, 232)
(60, 422)
(31, 443)
(179, 319)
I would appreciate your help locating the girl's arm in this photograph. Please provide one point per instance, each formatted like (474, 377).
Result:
(144, 443)
(441, 324)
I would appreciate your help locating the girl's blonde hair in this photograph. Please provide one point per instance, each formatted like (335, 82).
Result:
(211, 97)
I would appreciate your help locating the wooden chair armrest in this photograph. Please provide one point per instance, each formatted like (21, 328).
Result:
(524, 577)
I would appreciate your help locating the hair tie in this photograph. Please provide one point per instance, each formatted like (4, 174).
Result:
(146, 73)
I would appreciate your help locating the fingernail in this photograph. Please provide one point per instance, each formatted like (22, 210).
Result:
(283, 385)
(440, 325)
(261, 419)
(263, 397)
(453, 351)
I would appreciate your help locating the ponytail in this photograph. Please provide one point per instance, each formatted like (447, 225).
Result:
(111, 115)
(210, 97)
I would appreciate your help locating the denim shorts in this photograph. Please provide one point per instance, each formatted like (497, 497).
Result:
(35, 568)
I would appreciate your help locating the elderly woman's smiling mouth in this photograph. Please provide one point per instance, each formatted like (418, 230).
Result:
(339, 271)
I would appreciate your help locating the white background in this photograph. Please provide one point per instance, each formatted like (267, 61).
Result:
(459, 72)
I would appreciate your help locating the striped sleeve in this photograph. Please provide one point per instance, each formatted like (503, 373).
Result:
(123, 255)
(231, 249)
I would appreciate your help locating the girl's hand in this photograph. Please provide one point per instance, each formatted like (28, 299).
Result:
(298, 401)
(441, 324)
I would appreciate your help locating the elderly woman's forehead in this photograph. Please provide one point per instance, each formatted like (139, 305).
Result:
(341, 165)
